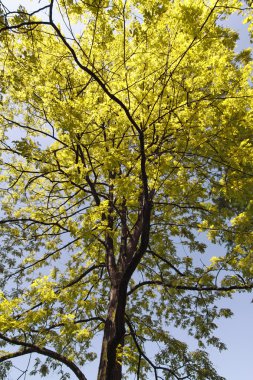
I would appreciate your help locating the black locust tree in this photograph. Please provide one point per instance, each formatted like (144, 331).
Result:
(126, 136)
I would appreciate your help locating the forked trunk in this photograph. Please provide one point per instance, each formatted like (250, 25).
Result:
(110, 367)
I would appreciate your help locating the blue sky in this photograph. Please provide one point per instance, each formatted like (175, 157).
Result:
(237, 333)
(236, 362)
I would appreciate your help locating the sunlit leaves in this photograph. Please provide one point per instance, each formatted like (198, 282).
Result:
(123, 105)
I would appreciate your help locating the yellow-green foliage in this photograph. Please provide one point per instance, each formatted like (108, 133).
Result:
(77, 100)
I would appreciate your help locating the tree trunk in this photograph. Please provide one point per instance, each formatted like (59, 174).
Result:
(110, 367)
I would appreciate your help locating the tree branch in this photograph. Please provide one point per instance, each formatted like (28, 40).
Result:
(29, 348)
(192, 288)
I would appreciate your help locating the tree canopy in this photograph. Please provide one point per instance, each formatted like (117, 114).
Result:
(126, 136)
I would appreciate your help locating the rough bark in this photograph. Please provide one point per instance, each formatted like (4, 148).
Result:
(110, 367)
(120, 273)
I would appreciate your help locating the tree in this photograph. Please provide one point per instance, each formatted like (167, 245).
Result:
(126, 135)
